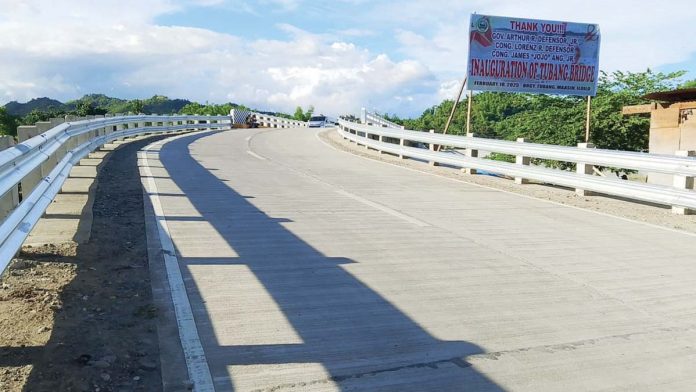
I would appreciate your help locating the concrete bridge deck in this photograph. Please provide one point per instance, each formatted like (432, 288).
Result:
(310, 269)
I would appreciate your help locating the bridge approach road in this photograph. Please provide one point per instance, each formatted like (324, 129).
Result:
(311, 269)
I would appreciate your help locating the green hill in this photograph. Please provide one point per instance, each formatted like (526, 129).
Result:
(44, 104)
(162, 105)
(157, 104)
(98, 101)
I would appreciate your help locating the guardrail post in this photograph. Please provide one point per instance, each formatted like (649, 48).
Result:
(584, 168)
(521, 160)
(91, 134)
(52, 161)
(84, 136)
(433, 147)
(471, 153)
(62, 150)
(683, 182)
(108, 129)
(119, 127)
(153, 123)
(9, 200)
(70, 143)
(56, 121)
(402, 143)
(26, 132)
(354, 132)
(29, 182)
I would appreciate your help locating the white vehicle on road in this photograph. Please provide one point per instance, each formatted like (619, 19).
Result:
(321, 121)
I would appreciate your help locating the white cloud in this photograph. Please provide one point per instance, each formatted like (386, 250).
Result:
(70, 53)
(635, 34)
(356, 32)
(50, 49)
(207, 3)
(448, 89)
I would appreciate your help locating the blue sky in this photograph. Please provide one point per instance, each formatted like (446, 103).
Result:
(392, 56)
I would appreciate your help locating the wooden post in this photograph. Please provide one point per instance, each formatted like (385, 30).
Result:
(587, 120)
(468, 113)
(454, 106)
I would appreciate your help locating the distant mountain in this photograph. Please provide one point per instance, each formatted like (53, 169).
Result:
(157, 104)
(98, 101)
(44, 104)
(162, 105)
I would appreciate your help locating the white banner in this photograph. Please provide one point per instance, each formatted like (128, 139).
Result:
(532, 56)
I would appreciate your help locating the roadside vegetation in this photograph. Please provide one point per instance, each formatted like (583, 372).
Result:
(14, 114)
(560, 120)
(549, 119)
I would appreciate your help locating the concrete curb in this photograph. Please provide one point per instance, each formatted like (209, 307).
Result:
(172, 360)
(176, 372)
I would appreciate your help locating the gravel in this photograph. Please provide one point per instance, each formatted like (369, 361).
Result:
(82, 318)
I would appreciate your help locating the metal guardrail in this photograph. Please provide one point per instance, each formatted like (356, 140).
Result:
(239, 116)
(41, 164)
(613, 158)
(278, 122)
(370, 118)
(682, 168)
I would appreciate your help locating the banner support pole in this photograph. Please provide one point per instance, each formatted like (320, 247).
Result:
(468, 113)
(587, 119)
(454, 107)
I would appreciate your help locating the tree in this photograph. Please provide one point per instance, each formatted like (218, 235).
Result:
(86, 108)
(308, 113)
(37, 115)
(689, 84)
(192, 108)
(560, 120)
(207, 109)
(299, 114)
(137, 106)
(8, 123)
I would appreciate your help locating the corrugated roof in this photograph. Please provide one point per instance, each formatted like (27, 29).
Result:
(678, 95)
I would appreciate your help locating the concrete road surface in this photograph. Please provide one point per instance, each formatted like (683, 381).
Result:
(310, 269)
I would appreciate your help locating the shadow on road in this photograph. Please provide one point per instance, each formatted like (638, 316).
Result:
(361, 339)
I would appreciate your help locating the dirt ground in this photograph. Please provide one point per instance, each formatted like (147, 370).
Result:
(634, 210)
(81, 318)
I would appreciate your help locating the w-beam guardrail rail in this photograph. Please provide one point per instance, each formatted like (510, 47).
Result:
(370, 118)
(682, 166)
(239, 116)
(39, 165)
(278, 122)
